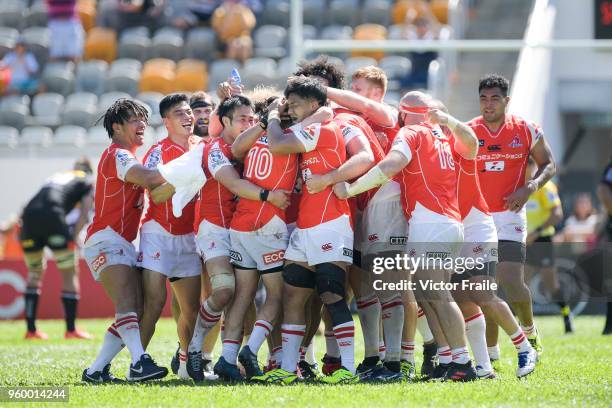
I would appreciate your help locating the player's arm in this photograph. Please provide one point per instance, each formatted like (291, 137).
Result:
(86, 204)
(361, 160)
(466, 142)
(323, 114)
(144, 177)
(162, 193)
(229, 177)
(246, 139)
(398, 157)
(542, 155)
(375, 111)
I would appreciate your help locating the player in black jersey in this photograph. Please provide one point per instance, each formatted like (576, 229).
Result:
(43, 224)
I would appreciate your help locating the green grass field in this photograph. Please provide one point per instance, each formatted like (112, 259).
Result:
(575, 370)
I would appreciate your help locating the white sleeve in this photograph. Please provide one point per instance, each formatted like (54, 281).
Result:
(216, 160)
(186, 175)
(401, 145)
(349, 132)
(124, 160)
(535, 133)
(308, 136)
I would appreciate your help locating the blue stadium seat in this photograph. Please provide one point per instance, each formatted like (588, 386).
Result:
(80, 109)
(46, 109)
(270, 41)
(14, 110)
(59, 77)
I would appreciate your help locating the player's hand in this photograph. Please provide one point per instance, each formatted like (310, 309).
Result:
(516, 200)
(437, 117)
(341, 190)
(280, 198)
(317, 183)
(228, 89)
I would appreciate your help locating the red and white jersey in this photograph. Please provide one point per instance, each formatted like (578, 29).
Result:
(353, 126)
(325, 151)
(469, 193)
(386, 134)
(429, 178)
(215, 204)
(503, 156)
(161, 153)
(117, 204)
(272, 172)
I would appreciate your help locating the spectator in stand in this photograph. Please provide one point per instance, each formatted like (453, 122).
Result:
(199, 12)
(132, 13)
(424, 29)
(23, 68)
(233, 22)
(67, 35)
(581, 225)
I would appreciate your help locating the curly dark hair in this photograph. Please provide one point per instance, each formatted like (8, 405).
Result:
(494, 81)
(307, 88)
(321, 67)
(121, 111)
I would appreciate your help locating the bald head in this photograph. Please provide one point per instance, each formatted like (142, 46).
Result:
(415, 99)
(413, 107)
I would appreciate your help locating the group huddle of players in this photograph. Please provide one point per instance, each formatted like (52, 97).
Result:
(302, 190)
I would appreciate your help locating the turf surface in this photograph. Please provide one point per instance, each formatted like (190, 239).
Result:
(575, 370)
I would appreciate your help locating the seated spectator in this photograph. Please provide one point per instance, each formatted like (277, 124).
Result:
(424, 30)
(199, 12)
(233, 23)
(581, 225)
(66, 30)
(23, 68)
(132, 13)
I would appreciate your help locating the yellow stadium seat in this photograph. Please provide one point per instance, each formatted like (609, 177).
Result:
(87, 13)
(191, 76)
(101, 44)
(439, 9)
(158, 75)
(369, 32)
(406, 11)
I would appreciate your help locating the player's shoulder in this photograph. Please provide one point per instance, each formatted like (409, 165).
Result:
(475, 122)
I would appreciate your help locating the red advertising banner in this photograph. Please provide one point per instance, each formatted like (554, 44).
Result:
(93, 303)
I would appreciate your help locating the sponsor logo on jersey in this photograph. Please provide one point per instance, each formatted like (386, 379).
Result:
(344, 343)
(494, 148)
(273, 257)
(235, 256)
(398, 240)
(373, 237)
(308, 162)
(156, 256)
(215, 157)
(516, 142)
(498, 165)
(154, 158)
(481, 142)
(518, 228)
(306, 135)
(347, 252)
(123, 158)
(327, 247)
(98, 262)
(306, 174)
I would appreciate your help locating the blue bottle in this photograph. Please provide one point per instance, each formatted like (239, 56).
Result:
(236, 77)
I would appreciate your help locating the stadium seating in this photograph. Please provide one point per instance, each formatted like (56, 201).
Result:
(11, 13)
(201, 43)
(395, 66)
(46, 109)
(270, 41)
(9, 137)
(97, 135)
(313, 12)
(14, 110)
(376, 12)
(439, 8)
(158, 75)
(59, 77)
(259, 71)
(70, 135)
(37, 40)
(220, 70)
(87, 13)
(80, 109)
(124, 75)
(101, 43)
(276, 12)
(90, 76)
(135, 43)
(406, 11)
(36, 15)
(39, 136)
(167, 43)
(107, 99)
(354, 63)
(152, 99)
(343, 12)
(191, 75)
